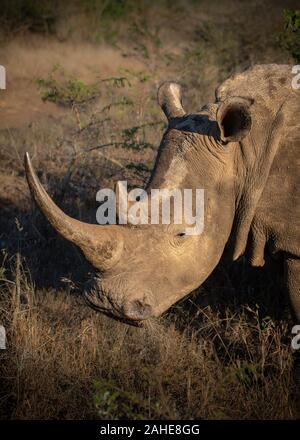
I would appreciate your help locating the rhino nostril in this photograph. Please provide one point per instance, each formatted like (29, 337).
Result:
(138, 310)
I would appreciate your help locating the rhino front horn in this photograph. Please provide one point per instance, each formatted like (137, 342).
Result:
(169, 98)
(101, 245)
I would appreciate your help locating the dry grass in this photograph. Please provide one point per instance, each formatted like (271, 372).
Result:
(222, 353)
(65, 361)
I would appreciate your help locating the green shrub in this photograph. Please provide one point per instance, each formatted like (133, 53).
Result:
(62, 88)
(290, 38)
(112, 403)
(37, 16)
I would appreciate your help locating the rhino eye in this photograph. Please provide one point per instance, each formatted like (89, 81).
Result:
(181, 234)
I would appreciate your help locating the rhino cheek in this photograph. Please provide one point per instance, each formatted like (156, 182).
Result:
(191, 274)
(171, 298)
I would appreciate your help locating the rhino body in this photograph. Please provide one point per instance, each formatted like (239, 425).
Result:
(243, 150)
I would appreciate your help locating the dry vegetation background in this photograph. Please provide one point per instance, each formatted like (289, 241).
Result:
(81, 98)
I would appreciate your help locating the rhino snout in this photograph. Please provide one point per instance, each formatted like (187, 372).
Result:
(137, 310)
(128, 305)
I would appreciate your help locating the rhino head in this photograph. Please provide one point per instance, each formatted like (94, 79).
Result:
(144, 269)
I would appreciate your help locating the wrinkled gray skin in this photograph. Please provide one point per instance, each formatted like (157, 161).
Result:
(244, 151)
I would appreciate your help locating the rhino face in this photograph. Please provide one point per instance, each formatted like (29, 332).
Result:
(144, 269)
(159, 265)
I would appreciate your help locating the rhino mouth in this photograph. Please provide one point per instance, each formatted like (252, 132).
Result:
(107, 309)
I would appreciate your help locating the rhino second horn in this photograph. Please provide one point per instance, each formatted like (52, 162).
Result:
(169, 97)
(101, 245)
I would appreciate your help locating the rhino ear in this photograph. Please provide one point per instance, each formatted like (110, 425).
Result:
(234, 118)
(169, 97)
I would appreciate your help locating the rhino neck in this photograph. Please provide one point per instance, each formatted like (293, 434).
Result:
(276, 222)
(274, 114)
(258, 152)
